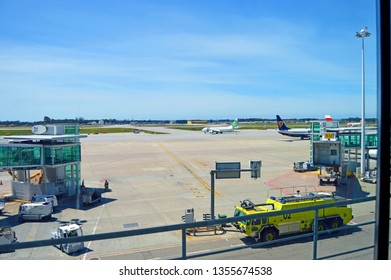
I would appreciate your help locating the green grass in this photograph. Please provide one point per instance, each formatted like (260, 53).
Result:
(13, 131)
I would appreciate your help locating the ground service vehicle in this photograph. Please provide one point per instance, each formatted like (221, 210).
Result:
(329, 176)
(35, 211)
(370, 177)
(266, 229)
(45, 197)
(2, 205)
(68, 231)
(301, 166)
(7, 236)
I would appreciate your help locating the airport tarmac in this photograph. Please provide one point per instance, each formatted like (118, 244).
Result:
(154, 178)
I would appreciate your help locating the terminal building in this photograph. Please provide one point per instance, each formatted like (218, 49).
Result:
(47, 162)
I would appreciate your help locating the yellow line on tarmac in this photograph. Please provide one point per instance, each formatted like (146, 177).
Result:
(188, 169)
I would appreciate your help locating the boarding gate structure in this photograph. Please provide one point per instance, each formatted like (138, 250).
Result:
(46, 162)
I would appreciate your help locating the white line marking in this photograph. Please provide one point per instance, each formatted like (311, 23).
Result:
(93, 232)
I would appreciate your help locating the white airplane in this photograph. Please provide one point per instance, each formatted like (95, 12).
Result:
(351, 124)
(303, 133)
(221, 130)
(353, 129)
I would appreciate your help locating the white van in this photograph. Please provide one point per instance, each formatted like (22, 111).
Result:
(45, 198)
(35, 211)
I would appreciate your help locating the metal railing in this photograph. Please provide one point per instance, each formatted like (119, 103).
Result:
(185, 226)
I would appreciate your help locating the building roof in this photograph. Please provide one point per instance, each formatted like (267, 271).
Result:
(45, 137)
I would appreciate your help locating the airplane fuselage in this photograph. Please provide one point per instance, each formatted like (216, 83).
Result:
(221, 130)
(300, 133)
(218, 130)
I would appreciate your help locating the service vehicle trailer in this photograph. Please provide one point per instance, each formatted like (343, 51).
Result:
(304, 166)
(7, 236)
(269, 228)
(91, 196)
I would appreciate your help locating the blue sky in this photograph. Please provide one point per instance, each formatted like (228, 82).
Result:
(175, 59)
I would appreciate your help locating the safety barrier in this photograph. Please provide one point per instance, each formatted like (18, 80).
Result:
(201, 224)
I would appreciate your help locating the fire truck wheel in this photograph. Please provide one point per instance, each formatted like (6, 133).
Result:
(322, 225)
(268, 234)
(336, 223)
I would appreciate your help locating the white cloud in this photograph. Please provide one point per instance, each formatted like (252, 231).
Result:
(172, 61)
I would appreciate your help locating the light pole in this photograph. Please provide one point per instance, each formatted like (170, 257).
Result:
(362, 34)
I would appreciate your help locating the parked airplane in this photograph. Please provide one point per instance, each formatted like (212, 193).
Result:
(303, 133)
(217, 130)
(353, 129)
(328, 118)
(351, 124)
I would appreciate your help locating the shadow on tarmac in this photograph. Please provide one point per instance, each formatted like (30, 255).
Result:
(13, 220)
(290, 140)
(73, 203)
(352, 189)
(324, 236)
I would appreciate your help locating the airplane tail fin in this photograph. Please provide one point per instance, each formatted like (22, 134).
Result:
(281, 124)
(328, 118)
(235, 123)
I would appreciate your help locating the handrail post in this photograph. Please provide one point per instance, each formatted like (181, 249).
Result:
(212, 195)
(184, 257)
(315, 235)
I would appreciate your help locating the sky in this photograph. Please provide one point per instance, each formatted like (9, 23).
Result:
(194, 59)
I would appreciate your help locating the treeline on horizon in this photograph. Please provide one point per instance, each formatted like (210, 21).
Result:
(83, 121)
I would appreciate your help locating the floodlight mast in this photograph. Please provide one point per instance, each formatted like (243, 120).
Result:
(362, 34)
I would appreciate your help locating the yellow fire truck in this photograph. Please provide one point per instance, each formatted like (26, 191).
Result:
(266, 229)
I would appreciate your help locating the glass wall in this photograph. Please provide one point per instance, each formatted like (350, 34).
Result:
(55, 155)
(13, 156)
(72, 178)
(354, 140)
(72, 129)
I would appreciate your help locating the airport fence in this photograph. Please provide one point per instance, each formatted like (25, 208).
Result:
(184, 227)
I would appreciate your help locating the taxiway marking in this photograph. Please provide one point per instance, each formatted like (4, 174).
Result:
(187, 168)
